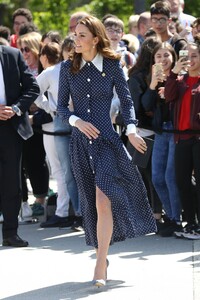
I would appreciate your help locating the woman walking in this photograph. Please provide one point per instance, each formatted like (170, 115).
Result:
(113, 198)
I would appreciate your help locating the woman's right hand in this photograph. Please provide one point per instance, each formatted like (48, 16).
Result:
(180, 65)
(87, 128)
(156, 76)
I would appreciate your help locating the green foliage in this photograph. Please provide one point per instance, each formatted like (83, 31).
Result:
(55, 14)
(51, 15)
(122, 8)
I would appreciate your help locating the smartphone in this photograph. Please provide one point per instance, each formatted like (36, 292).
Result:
(159, 70)
(183, 53)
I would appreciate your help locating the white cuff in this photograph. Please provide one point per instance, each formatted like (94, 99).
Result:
(73, 119)
(131, 128)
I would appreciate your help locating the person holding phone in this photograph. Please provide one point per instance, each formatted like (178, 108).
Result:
(138, 84)
(163, 170)
(184, 55)
(184, 93)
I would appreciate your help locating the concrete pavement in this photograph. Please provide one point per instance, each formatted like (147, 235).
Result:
(59, 266)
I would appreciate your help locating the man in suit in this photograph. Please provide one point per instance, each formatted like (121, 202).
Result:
(18, 90)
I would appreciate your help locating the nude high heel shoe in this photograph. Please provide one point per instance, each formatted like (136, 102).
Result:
(101, 282)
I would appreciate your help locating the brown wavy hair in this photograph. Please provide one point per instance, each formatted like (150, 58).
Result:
(196, 42)
(97, 29)
(53, 52)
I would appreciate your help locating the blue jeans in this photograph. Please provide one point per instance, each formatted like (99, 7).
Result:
(163, 173)
(62, 145)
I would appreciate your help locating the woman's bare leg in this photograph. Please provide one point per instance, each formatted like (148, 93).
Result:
(104, 233)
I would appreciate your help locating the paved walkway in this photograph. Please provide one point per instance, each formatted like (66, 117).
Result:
(59, 266)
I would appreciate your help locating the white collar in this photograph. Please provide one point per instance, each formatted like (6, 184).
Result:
(97, 61)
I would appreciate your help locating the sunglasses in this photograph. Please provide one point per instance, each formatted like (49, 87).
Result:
(25, 49)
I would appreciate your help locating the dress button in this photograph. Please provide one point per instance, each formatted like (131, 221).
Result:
(88, 95)
(88, 110)
(90, 157)
(90, 142)
(88, 64)
(88, 79)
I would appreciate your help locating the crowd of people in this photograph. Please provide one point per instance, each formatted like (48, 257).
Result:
(70, 106)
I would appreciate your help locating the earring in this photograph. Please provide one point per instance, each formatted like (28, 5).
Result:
(93, 46)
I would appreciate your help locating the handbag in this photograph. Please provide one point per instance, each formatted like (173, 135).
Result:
(141, 159)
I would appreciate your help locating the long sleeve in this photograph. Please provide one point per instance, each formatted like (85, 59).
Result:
(29, 86)
(149, 100)
(171, 87)
(64, 93)
(137, 90)
(42, 101)
(48, 82)
(124, 95)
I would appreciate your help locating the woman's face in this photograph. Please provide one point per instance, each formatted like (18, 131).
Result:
(164, 57)
(18, 22)
(84, 40)
(196, 30)
(28, 55)
(66, 54)
(194, 58)
(115, 34)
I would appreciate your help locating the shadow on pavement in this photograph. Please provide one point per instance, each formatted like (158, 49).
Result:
(68, 291)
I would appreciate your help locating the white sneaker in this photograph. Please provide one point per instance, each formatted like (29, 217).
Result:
(26, 211)
(193, 234)
(1, 218)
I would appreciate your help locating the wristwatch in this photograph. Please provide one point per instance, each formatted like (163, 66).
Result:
(16, 110)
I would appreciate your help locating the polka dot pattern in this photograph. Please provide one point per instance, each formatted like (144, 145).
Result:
(104, 162)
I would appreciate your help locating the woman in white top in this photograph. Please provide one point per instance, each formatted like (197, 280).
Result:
(50, 56)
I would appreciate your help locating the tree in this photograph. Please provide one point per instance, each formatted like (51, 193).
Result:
(55, 14)
(51, 15)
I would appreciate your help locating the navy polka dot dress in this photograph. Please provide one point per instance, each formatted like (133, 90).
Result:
(104, 162)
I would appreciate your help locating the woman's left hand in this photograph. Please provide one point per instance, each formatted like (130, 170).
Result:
(137, 142)
(161, 92)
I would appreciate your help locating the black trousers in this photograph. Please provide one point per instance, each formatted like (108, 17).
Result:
(10, 178)
(154, 200)
(187, 160)
(34, 167)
